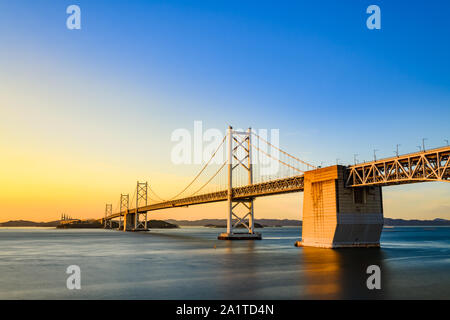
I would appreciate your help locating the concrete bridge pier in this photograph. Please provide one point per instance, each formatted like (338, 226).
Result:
(128, 221)
(132, 222)
(335, 216)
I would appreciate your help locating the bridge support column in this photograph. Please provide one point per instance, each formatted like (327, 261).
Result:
(124, 207)
(108, 213)
(108, 224)
(128, 221)
(120, 223)
(335, 216)
(246, 162)
(141, 199)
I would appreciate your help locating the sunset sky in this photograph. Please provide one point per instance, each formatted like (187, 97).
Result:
(86, 113)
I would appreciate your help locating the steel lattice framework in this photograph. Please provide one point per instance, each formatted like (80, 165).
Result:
(124, 206)
(108, 213)
(279, 186)
(141, 198)
(430, 165)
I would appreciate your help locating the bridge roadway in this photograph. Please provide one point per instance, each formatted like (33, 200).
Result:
(431, 165)
(279, 186)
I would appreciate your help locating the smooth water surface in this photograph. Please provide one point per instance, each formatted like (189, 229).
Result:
(190, 263)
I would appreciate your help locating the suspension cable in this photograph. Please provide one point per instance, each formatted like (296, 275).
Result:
(215, 174)
(223, 165)
(294, 168)
(291, 156)
(155, 194)
(132, 199)
(200, 172)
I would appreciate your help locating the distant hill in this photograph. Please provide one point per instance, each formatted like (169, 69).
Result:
(159, 224)
(155, 224)
(25, 223)
(241, 226)
(402, 222)
(223, 222)
(297, 223)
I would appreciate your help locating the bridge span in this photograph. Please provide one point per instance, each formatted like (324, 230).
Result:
(342, 205)
(279, 186)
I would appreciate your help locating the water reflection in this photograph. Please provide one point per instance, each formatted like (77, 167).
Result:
(239, 272)
(341, 273)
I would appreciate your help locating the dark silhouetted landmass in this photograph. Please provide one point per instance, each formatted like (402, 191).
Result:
(401, 222)
(296, 223)
(86, 224)
(151, 224)
(81, 224)
(159, 224)
(223, 222)
(25, 223)
(256, 225)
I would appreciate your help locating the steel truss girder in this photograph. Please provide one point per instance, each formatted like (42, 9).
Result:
(431, 165)
(248, 204)
(279, 186)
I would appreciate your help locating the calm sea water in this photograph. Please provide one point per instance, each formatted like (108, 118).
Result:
(190, 263)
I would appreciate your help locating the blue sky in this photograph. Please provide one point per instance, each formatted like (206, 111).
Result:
(310, 68)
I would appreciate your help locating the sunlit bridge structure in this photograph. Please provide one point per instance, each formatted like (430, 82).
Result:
(342, 205)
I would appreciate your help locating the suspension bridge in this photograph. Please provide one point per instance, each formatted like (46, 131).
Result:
(342, 205)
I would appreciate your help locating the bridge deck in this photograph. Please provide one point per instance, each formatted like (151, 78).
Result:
(279, 186)
(430, 165)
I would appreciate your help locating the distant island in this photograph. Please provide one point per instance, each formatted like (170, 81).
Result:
(151, 224)
(263, 223)
(256, 225)
(402, 222)
(219, 223)
(25, 223)
(297, 223)
(87, 224)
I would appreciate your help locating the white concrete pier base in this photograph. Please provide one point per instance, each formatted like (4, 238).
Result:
(338, 217)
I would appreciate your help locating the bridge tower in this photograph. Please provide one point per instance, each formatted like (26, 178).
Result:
(108, 212)
(124, 206)
(243, 147)
(132, 221)
(336, 216)
(132, 217)
(141, 199)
